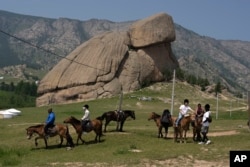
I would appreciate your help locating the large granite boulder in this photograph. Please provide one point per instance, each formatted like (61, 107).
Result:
(155, 29)
(111, 62)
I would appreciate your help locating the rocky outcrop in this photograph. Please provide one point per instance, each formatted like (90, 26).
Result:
(111, 62)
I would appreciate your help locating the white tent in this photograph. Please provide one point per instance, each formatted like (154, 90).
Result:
(9, 113)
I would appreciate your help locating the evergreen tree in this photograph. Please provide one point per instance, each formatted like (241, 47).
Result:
(218, 88)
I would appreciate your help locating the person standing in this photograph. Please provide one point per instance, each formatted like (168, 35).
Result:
(49, 122)
(205, 125)
(183, 111)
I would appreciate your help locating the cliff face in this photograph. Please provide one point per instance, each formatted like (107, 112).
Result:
(111, 62)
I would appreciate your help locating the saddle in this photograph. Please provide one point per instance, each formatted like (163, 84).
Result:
(87, 126)
(120, 115)
(52, 130)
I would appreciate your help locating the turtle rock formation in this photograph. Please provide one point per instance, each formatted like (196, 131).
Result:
(111, 62)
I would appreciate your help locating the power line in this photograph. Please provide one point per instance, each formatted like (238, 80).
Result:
(52, 53)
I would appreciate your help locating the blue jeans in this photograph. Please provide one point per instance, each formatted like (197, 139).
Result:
(178, 119)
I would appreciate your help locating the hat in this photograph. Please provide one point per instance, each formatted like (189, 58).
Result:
(86, 106)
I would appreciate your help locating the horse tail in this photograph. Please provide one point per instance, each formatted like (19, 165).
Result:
(69, 138)
(100, 118)
(103, 116)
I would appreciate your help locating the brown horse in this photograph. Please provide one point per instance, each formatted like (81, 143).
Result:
(182, 128)
(58, 129)
(197, 124)
(119, 117)
(157, 118)
(95, 125)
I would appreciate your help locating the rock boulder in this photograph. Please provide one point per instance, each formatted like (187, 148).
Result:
(111, 62)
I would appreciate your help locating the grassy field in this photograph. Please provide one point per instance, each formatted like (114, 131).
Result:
(138, 145)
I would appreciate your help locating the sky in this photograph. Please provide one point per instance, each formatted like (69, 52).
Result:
(219, 19)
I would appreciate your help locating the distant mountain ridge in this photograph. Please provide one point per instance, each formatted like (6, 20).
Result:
(227, 61)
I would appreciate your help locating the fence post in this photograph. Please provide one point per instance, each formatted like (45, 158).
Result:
(248, 99)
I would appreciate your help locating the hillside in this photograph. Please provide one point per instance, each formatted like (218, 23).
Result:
(217, 60)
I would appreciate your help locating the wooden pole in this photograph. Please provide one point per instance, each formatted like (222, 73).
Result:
(172, 102)
(230, 108)
(120, 101)
(217, 105)
(248, 99)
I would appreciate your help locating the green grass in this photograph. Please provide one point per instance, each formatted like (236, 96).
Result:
(140, 134)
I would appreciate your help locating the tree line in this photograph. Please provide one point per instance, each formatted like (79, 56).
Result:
(23, 94)
(22, 88)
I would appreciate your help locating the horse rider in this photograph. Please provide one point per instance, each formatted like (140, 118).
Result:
(199, 111)
(183, 111)
(49, 122)
(166, 116)
(166, 120)
(86, 116)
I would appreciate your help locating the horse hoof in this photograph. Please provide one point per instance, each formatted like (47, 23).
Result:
(69, 148)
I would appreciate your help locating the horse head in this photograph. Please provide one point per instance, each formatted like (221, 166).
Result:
(72, 120)
(132, 114)
(29, 133)
(153, 116)
(34, 129)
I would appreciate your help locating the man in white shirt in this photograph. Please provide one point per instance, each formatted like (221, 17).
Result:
(205, 125)
(86, 116)
(183, 111)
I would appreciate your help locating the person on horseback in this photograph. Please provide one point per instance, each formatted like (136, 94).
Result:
(165, 117)
(166, 120)
(183, 111)
(86, 116)
(199, 111)
(205, 125)
(49, 122)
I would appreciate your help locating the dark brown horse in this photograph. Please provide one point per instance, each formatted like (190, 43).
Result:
(119, 117)
(58, 129)
(182, 128)
(95, 125)
(197, 124)
(157, 118)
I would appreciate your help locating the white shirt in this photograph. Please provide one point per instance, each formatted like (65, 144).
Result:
(205, 116)
(86, 115)
(184, 109)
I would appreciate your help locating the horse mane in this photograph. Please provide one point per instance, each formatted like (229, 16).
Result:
(156, 115)
(36, 126)
(128, 111)
(75, 119)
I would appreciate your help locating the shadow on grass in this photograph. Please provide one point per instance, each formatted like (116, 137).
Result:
(50, 147)
(93, 142)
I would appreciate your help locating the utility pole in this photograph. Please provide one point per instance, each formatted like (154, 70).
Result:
(120, 101)
(217, 106)
(230, 108)
(172, 102)
(248, 100)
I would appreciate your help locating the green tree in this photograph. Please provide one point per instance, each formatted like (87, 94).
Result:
(218, 88)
